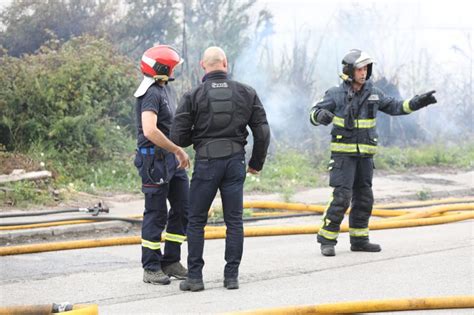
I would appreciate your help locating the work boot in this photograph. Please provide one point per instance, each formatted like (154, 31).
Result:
(191, 285)
(155, 277)
(231, 283)
(175, 270)
(328, 250)
(365, 247)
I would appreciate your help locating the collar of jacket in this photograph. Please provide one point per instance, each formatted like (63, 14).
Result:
(214, 75)
(346, 86)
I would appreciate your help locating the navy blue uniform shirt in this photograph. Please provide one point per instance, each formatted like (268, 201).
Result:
(159, 100)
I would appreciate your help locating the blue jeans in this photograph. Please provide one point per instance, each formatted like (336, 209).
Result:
(227, 175)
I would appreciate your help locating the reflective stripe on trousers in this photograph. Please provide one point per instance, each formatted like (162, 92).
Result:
(175, 238)
(328, 234)
(151, 245)
(359, 232)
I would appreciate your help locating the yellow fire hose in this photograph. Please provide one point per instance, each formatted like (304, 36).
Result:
(77, 309)
(219, 232)
(431, 303)
(379, 211)
(420, 204)
(313, 208)
(248, 204)
(434, 215)
(432, 211)
(259, 204)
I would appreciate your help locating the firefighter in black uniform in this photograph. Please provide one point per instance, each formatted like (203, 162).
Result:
(161, 166)
(213, 117)
(352, 108)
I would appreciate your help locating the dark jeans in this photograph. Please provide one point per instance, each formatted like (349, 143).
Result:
(351, 178)
(156, 215)
(227, 175)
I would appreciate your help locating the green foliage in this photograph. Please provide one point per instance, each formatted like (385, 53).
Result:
(25, 193)
(75, 99)
(424, 194)
(146, 23)
(286, 171)
(224, 23)
(118, 174)
(441, 154)
(29, 23)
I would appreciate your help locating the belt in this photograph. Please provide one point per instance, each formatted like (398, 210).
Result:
(152, 150)
(219, 148)
(147, 150)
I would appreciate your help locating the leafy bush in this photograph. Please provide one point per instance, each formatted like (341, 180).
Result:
(74, 98)
(287, 171)
(441, 154)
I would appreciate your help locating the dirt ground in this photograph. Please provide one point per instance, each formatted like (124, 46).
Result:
(11, 161)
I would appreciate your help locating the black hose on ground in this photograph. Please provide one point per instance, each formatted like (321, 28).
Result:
(75, 218)
(32, 214)
(95, 210)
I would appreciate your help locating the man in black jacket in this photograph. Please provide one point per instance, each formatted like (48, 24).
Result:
(352, 108)
(214, 117)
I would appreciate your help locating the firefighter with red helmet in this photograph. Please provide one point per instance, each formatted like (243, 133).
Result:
(352, 108)
(161, 165)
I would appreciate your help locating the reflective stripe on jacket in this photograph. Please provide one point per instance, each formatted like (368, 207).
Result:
(354, 124)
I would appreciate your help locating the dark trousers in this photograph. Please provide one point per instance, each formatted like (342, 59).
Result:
(351, 178)
(156, 215)
(227, 175)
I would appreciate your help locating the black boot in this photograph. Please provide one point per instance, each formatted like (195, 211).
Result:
(365, 247)
(191, 285)
(231, 283)
(155, 277)
(175, 270)
(328, 250)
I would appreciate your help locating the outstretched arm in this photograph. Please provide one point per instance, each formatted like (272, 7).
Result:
(391, 106)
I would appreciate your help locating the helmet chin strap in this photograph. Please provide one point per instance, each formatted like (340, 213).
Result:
(161, 77)
(345, 78)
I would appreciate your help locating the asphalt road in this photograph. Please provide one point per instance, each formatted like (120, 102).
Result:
(276, 271)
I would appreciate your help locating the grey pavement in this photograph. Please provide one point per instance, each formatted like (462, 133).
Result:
(276, 271)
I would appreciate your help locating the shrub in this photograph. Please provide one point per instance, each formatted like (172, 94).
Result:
(73, 98)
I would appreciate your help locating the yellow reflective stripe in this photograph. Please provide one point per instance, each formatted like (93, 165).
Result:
(359, 123)
(324, 221)
(328, 234)
(151, 245)
(359, 232)
(406, 107)
(312, 118)
(365, 123)
(175, 237)
(338, 121)
(352, 148)
(343, 147)
(368, 149)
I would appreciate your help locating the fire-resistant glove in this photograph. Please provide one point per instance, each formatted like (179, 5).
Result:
(324, 117)
(420, 101)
